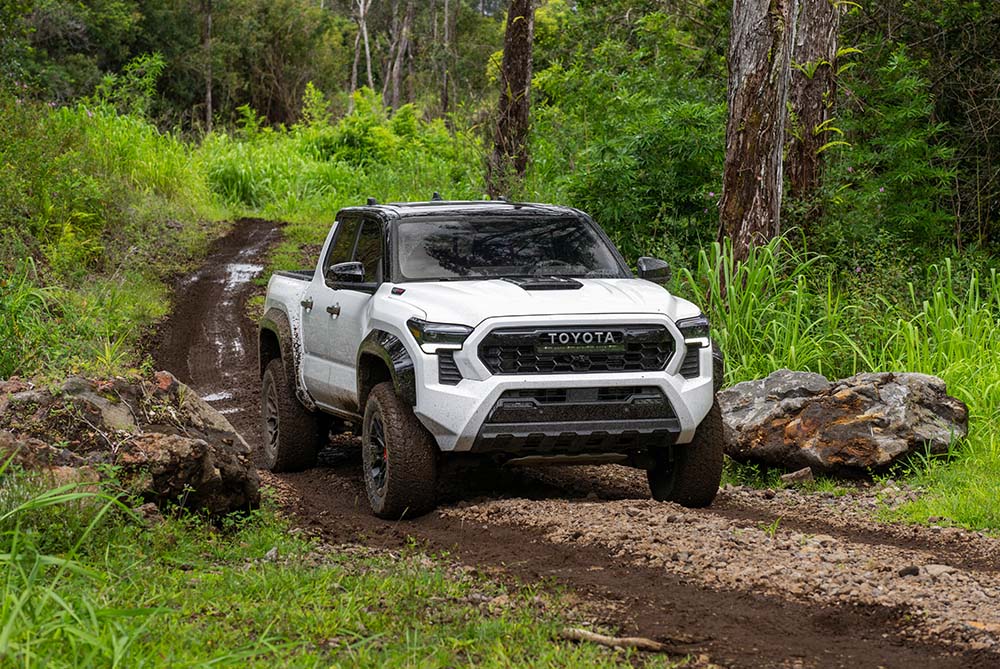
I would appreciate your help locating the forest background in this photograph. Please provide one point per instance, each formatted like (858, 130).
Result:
(128, 130)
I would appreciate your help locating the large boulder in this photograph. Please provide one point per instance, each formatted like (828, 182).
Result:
(793, 420)
(165, 443)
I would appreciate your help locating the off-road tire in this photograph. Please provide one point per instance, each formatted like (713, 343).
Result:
(689, 474)
(292, 435)
(400, 473)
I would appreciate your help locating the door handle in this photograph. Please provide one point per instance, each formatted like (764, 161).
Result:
(307, 303)
(334, 310)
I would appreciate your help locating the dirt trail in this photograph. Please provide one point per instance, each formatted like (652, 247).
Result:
(759, 580)
(208, 342)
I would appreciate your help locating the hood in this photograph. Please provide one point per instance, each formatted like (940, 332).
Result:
(472, 302)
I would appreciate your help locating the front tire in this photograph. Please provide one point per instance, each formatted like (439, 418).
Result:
(292, 435)
(689, 474)
(399, 457)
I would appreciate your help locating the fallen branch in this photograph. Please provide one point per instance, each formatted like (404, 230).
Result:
(637, 642)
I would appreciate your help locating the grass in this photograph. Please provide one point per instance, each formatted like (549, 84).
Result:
(97, 209)
(108, 591)
(790, 312)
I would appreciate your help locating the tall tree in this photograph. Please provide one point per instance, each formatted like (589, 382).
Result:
(399, 48)
(510, 144)
(446, 60)
(206, 9)
(813, 91)
(760, 48)
(361, 8)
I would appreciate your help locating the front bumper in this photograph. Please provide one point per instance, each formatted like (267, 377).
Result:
(465, 417)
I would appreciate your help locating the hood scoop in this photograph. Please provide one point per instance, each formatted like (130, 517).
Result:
(544, 282)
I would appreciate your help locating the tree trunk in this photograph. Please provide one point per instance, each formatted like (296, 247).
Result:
(206, 7)
(363, 6)
(760, 47)
(354, 70)
(812, 93)
(390, 58)
(402, 49)
(446, 60)
(510, 145)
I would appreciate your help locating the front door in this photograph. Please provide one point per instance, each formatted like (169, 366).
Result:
(336, 322)
(318, 324)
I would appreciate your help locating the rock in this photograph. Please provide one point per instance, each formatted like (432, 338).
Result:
(166, 443)
(866, 422)
(191, 473)
(938, 570)
(34, 454)
(909, 570)
(798, 476)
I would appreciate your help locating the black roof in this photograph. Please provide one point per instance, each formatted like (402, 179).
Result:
(437, 208)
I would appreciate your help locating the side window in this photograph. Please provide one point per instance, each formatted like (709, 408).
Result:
(343, 244)
(369, 251)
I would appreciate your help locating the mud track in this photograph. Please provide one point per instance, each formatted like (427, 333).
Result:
(741, 583)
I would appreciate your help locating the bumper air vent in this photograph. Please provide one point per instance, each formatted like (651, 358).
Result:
(448, 372)
(691, 367)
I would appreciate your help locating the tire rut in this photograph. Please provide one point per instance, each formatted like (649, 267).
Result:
(209, 342)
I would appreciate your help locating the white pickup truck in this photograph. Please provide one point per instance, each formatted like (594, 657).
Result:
(486, 327)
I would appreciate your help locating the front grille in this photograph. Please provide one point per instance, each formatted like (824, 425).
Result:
(691, 367)
(448, 372)
(636, 348)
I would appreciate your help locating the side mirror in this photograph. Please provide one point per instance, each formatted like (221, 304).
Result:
(654, 269)
(346, 272)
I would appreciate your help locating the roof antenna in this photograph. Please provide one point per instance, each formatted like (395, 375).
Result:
(372, 202)
(436, 197)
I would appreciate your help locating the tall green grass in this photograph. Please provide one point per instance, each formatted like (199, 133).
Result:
(96, 209)
(49, 615)
(782, 308)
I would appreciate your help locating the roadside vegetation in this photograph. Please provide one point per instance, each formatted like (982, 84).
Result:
(97, 210)
(86, 583)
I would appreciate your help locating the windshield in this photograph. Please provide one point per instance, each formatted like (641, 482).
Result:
(498, 246)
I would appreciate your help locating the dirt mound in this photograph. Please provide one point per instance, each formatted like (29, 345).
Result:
(158, 436)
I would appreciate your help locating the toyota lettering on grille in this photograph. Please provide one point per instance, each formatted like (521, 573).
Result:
(582, 338)
(581, 341)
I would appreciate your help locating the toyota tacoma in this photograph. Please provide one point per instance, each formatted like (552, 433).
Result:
(514, 331)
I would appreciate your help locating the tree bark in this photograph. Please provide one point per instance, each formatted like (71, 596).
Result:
(354, 70)
(760, 47)
(813, 92)
(390, 58)
(399, 50)
(206, 7)
(446, 60)
(509, 159)
(363, 6)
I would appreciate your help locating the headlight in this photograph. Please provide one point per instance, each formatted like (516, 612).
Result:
(695, 330)
(433, 337)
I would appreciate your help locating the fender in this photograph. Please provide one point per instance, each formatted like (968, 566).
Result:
(388, 348)
(277, 322)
